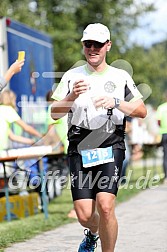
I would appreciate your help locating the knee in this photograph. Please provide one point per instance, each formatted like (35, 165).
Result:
(106, 209)
(84, 217)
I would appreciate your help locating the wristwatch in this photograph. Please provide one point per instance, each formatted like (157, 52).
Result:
(117, 102)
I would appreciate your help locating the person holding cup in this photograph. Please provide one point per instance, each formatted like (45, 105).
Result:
(96, 97)
(13, 69)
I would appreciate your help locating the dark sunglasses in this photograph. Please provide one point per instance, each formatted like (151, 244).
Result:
(96, 44)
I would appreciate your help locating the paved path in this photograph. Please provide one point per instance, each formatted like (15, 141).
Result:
(142, 228)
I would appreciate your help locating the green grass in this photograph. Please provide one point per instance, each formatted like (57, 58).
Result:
(26, 228)
(139, 179)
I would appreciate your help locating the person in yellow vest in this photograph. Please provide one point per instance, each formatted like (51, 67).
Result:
(58, 128)
(162, 121)
(56, 136)
(9, 115)
(13, 69)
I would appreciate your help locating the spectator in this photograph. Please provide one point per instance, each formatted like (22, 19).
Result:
(8, 116)
(13, 69)
(162, 121)
(57, 137)
(57, 129)
(128, 149)
(151, 134)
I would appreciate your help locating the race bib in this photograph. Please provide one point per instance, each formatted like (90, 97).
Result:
(97, 156)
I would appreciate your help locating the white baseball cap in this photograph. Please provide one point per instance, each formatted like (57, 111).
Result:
(97, 32)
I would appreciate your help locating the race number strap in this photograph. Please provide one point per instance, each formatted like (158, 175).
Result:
(97, 156)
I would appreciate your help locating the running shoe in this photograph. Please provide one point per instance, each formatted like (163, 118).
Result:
(89, 243)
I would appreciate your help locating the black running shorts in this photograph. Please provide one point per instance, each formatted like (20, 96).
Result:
(87, 182)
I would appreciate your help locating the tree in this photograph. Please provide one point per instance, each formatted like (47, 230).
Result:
(65, 20)
(150, 67)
